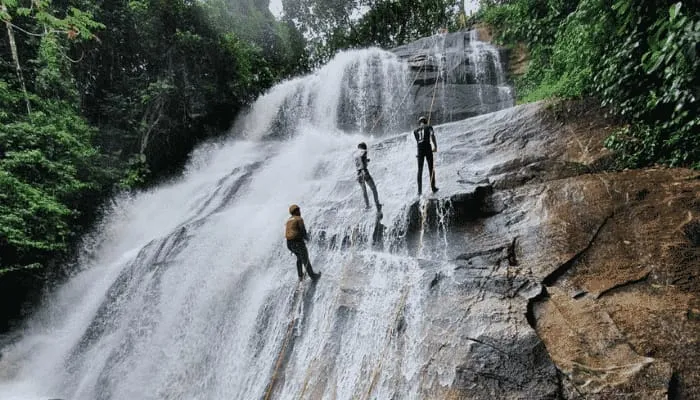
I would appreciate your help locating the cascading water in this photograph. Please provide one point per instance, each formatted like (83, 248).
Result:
(362, 91)
(192, 294)
(455, 76)
(488, 70)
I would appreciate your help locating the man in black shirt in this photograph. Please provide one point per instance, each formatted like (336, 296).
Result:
(423, 136)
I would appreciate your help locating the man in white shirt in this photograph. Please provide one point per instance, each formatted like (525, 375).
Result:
(363, 176)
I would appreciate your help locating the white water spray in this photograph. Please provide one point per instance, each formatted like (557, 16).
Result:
(192, 292)
(359, 91)
(488, 69)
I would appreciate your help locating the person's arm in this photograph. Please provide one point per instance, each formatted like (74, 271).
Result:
(302, 229)
(432, 137)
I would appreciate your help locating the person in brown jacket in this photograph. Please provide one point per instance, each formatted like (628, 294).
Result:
(295, 233)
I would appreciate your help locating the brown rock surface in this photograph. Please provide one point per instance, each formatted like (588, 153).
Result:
(633, 287)
(617, 252)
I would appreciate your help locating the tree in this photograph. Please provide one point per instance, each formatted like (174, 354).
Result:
(82, 114)
(333, 25)
(46, 155)
(5, 15)
(647, 69)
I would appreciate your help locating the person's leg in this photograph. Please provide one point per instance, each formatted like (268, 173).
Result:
(305, 257)
(420, 158)
(431, 171)
(361, 180)
(294, 248)
(370, 183)
(300, 271)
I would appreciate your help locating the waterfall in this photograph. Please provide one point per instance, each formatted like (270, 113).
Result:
(361, 91)
(488, 70)
(455, 76)
(191, 293)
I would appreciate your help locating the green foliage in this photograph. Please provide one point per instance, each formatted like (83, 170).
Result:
(333, 25)
(53, 77)
(575, 46)
(170, 73)
(638, 57)
(279, 43)
(11, 101)
(30, 219)
(653, 80)
(49, 169)
(47, 175)
(76, 24)
(117, 93)
(136, 174)
(562, 36)
(392, 23)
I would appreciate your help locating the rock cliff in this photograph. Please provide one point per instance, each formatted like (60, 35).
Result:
(584, 281)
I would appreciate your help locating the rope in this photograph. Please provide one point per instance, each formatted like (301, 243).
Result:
(430, 113)
(353, 242)
(415, 78)
(283, 350)
(389, 334)
(432, 102)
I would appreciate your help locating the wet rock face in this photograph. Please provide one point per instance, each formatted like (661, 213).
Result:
(456, 76)
(583, 283)
(499, 371)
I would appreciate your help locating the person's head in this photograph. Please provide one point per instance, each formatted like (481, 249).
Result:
(294, 209)
(362, 146)
(422, 120)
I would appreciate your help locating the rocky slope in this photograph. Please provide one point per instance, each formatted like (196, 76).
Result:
(602, 267)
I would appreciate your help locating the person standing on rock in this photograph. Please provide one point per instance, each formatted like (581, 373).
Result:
(424, 135)
(363, 176)
(295, 233)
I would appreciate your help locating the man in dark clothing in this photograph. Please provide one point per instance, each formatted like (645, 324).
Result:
(363, 176)
(295, 233)
(423, 136)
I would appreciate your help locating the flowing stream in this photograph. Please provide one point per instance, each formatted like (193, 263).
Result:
(189, 292)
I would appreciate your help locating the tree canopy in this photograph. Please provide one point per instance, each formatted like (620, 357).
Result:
(333, 25)
(97, 97)
(640, 58)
